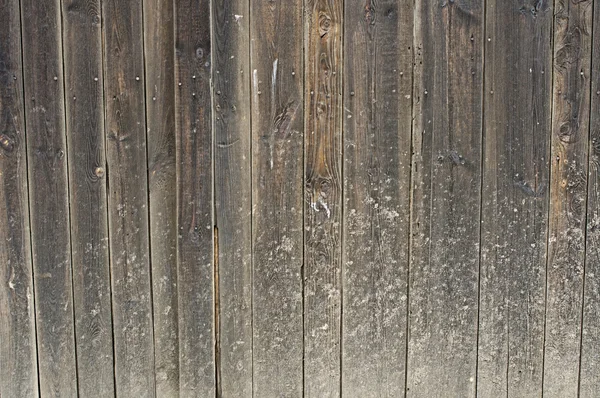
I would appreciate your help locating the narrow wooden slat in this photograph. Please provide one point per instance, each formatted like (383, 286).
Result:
(446, 178)
(18, 354)
(377, 156)
(232, 174)
(518, 93)
(128, 198)
(160, 110)
(568, 196)
(193, 134)
(590, 342)
(323, 196)
(277, 196)
(89, 224)
(49, 196)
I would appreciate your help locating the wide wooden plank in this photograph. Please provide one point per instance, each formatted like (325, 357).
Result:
(323, 196)
(49, 196)
(446, 178)
(232, 175)
(590, 340)
(518, 94)
(377, 155)
(160, 127)
(568, 196)
(277, 196)
(82, 38)
(18, 354)
(194, 168)
(128, 198)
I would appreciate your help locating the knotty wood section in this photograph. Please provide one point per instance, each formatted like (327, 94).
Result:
(82, 53)
(18, 354)
(518, 78)
(377, 155)
(323, 196)
(277, 196)
(125, 126)
(232, 174)
(49, 196)
(160, 110)
(589, 373)
(196, 270)
(446, 178)
(568, 196)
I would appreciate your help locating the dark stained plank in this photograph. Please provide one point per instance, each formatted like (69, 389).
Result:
(590, 340)
(518, 94)
(18, 355)
(195, 257)
(128, 198)
(323, 196)
(277, 196)
(232, 176)
(568, 196)
(377, 155)
(446, 178)
(160, 127)
(49, 196)
(82, 38)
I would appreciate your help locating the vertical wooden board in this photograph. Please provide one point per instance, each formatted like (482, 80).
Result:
(568, 194)
(193, 134)
(160, 118)
(277, 189)
(49, 196)
(128, 198)
(323, 196)
(18, 355)
(377, 155)
(444, 271)
(518, 62)
(89, 224)
(232, 174)
(590, 340)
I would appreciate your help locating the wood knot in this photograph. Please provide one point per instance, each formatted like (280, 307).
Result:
(324, 24)
(7, 143)
(99, 172)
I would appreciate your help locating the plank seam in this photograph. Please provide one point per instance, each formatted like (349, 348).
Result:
(249, 69)
(342, 197)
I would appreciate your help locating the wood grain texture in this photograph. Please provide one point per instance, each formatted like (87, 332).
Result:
(323, 65)
(232, 175)
(82, 38)
(49, 196)
(159, 55)
(377, 155)
(277, 196)
(518, 65)
(18, 353)
(589, 376)
(194, 147)
(446, 180)
(125, 126)
(568, 196)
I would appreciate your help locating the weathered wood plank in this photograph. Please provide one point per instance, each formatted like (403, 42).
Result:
(193, 135)
(323, 196)
(377, 155)
(590, 340)
(277, 196)
(160, 118)
(82, 38)
(232, 174)
(18, 354)
(446, 178)
(125, 126)
(518, 62)
(568, 196)
(49, 196)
